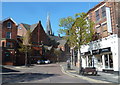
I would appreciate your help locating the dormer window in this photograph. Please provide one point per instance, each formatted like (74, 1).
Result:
(19, 27)
(9, 25)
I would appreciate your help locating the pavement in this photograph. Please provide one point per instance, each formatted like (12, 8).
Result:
(101, 77)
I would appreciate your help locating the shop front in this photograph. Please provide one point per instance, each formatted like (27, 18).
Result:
(102, 59)
(107, 59)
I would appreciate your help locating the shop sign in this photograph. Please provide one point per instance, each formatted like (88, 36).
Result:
(95, 52)
(105, 50)
(87, 53)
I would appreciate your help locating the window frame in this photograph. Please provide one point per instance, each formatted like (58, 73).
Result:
(9, 24)
(97, 15)
(8, 35)
(103, 9)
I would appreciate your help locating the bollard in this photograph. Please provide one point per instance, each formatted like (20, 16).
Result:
(68, 64)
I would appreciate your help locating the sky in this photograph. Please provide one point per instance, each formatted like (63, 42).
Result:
(32, 12)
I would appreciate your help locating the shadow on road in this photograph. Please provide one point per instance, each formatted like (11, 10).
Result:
(8, 70)
(24, 77)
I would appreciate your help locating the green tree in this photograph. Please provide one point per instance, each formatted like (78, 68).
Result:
(78, 31)
(57, 52)
(25, 46)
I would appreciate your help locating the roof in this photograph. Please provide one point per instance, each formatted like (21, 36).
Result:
(26, 26)
(30, 27)
(33, 26)
(56, 38)
(96, 6)
(60, 40)
(8, 19)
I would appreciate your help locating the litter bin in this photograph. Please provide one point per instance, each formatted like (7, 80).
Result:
(68, 64)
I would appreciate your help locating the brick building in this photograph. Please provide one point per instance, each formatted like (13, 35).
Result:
(39, 39)
(103, 52)
(9, 41)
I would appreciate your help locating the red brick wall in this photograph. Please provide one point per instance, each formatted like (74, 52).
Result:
(13, 30)
(39, 34)
(113, 6)
(0, 33)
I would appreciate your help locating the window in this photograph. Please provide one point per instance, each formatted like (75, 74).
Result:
(97, 15)
(20, 27)
(8, 44)
(8, 35)
(9, 25)
(7, 56)
(103, 11)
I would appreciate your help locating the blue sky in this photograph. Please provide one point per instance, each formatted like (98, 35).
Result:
(32, 12)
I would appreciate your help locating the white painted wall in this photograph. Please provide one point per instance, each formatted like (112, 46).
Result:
(110, 41)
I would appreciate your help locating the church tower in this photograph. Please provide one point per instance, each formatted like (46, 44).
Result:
(48, 27)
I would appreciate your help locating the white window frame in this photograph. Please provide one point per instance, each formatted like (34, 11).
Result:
(9, 26)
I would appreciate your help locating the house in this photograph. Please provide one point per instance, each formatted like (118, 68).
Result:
(39, 39)
(102, 53)
(9, 41)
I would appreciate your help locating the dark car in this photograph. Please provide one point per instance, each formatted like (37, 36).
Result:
(40, 62)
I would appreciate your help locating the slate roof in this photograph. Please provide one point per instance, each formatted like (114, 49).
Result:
(58, 39)
(32, 27)
(26, 26)
(8, 19)
(29, 27)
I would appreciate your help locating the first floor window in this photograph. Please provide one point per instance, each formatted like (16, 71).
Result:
(8, 35)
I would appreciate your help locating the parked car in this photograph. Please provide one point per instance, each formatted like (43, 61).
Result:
(40, 62)
(47, 61)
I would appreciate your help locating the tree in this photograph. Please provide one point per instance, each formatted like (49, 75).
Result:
(25, 46)
(78, 31)
(57, 52)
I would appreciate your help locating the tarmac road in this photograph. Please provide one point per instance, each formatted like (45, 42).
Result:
(46, 73)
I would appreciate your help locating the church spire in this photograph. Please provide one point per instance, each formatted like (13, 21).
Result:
(48, 27)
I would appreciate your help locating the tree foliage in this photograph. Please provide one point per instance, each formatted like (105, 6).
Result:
(78, 31)
(26, 43)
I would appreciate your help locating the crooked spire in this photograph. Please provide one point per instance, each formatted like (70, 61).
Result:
(48, 27)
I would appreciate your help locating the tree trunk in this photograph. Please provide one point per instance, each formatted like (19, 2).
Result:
(26, 57)
(80, 60)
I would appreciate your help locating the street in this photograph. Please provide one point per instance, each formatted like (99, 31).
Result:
(46, 73)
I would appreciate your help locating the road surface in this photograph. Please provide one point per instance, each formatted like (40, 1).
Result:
(46, 73)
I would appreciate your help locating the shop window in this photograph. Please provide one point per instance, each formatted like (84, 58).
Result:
(89, 61)
(100, 59)
(9, 25)
(108, 61)
(97, 15)
(8, 35)
(111, 60)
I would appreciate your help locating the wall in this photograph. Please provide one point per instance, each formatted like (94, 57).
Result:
(110, 41)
